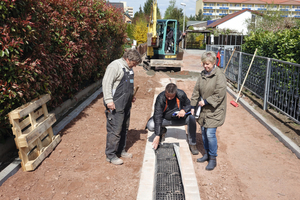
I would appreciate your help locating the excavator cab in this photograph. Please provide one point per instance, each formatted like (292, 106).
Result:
(163, 51)
(163, 43)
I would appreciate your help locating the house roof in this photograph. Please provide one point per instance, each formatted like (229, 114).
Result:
(192, 23)
(293, 2)
(228, 17)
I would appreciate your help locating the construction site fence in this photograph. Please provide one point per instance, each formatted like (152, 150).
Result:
(225, 40)
(274, 81)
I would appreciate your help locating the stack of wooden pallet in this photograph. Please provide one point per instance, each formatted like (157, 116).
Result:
(32, 127)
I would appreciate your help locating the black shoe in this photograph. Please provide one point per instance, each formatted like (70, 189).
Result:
(203, 159)
(212, 163)
(194, 149)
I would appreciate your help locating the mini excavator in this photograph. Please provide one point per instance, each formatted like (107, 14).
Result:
(163, 37)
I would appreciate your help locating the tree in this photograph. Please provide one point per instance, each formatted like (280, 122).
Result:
(147, 9)
(206, 18)
(144, 13)
(173, 12)
(270, 20)
(140, 32)
(192, 18)
(197, 17)
(170, 9)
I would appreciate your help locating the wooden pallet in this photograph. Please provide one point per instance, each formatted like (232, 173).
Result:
(32, 127)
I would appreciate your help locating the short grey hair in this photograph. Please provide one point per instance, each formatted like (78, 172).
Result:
(209, 56)
(133, 55)
(171, 88)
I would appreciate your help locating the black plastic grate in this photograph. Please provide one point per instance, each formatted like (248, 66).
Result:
(168, 178)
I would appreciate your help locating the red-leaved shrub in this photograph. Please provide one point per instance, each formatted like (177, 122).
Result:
(54, 46)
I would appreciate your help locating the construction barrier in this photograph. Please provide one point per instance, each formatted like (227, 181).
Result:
(32, 127)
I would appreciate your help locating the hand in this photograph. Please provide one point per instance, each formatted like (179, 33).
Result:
(181, 113)
(133, 99)
(201, 103)
(111, 106)
(155, 142)
(192, 111)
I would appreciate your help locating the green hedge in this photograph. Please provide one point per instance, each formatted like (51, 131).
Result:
(54, 46)
(282, 45)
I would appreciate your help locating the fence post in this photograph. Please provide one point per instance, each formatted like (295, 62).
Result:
(240, 71)
(267, 84)
(224, 63)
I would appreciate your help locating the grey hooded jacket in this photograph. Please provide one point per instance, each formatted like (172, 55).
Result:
(212, 88)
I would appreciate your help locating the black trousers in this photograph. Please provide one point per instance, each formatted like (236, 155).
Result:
(189, 121)
(117, 127)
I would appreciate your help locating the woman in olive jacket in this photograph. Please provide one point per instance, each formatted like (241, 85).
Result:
(210, 93)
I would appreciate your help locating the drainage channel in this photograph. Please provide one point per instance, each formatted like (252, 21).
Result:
(168, 182)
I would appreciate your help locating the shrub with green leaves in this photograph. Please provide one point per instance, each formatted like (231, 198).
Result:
(282, 45)
(54, 46)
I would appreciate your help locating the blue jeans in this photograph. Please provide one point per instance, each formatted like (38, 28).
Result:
(210, 141)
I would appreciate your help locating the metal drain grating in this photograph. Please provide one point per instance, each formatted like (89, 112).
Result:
(168, 178)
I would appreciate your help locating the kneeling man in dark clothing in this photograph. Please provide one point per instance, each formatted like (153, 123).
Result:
(172, 108)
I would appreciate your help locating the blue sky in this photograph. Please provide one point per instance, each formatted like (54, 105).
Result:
(163, 5)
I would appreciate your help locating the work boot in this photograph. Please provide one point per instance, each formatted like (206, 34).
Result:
(125, 154)
(203, 159)
(115, 160)
(194, 149)
(212, 163)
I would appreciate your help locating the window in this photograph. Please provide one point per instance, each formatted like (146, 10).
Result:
(230, 11)
(211, 11)
(224, 11)
(253, 18)
(205, 4)
(274, 6)
(262, 6)
(204, 11)
(256, 6)
(218, 4)
(224, 4)
(249, 6)
(298, 6)
(211, 4)
(287, 6)
(237, 5)
(217, 11)
(231, 5)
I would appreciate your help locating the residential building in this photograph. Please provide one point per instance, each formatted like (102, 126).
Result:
(218, 8)
(235, 21)
(128, 11)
